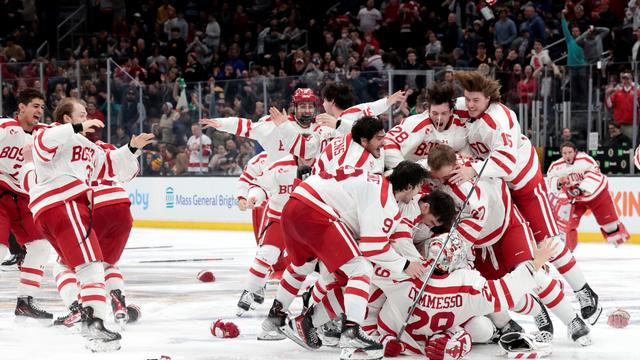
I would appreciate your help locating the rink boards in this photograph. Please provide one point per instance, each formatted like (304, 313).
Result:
(209, 203)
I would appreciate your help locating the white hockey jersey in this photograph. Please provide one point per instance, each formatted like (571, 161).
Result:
(254, 167)
(416, 135)
(312, 146)
(275, 142)
(108, 192)
(66, 163)
(344, 151)
(514, 159)
(199, 150)
(275, 184)
(448, 302)
(584, 173)
(365, 203)
(12, 141)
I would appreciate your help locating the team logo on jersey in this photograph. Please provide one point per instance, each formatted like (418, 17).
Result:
(169, 197)
(13, 131)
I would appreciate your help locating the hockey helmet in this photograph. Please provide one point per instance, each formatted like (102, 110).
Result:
(453, 257)
(304, 95)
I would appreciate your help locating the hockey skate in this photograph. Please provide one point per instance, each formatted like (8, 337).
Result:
(15, 259)
(330, 332)
(72, 318)
(543, 323)
(258, 298)
(99, 338)
(119, 307)
(578, 331)
(301, 331)
(134, 313)
(26, 307)
(590, 309)
(355, 344)
(523, 346)
(271, 326)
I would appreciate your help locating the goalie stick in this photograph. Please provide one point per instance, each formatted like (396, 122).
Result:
(444, 246)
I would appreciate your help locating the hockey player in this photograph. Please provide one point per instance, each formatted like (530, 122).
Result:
(578, 176)
(15, 140)
(336, 121)
(254, 166)
(65, 162)
(417, 134)
(322, 220)
(361, 148)
(264, 131)
(112, 222)
(501, 240)
(274, 186)
(494, 135)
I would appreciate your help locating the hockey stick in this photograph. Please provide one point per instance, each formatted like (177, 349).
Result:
(149, 247)
(182, 260)
(444, 245)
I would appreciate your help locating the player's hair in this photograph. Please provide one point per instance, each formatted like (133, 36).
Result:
(477, 82)
(366, 128)
(442, 206)
(569, 144)
(441, 156)
(407, 174)
(440, 93)
(65, 107)
(341, 94)
(25, 96)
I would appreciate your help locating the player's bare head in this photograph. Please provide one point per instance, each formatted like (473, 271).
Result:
(304, 104)
(30, 107)
(70, 110)
(440, 102)
(337, 98)
(438, 209)
(369, 132)
(568, 151)
(479, 91)
(406, 180)
(441, 161)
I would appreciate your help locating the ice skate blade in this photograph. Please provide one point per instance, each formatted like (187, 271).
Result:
(240, 312)
(584, 340)
(121, 324)
(359, 354)
(330, 341)
(102, 346)
(271, 336)
(593, 319)
(292, 335)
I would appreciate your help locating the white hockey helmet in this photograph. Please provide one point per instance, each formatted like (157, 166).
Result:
(453, 257)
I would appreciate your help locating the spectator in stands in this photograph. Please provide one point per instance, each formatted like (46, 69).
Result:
(217, 159)
(481, 56)
(453, 35)
(617, 139)
(213, 33)
(14, 51)
(579, 19)
(539, 56)
(635, 50)
(434, 46)
(505, 31)
(369, 17)
(167, 123)
(566, 135)
(576, 63)
(176, 46)
(527, 86)
(120, 138)
(535, 23)
(591, 42)
(198, 149)
(620, 99)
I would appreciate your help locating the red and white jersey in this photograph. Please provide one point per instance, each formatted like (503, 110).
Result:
(271, 138)
(636, 158)
(410, 230)
(448, 302)
(275, 184)
(12, 140)
(312, 146)
(416, 135)
(66, 163)
(514, 159)
(108, 192)
(584, 173)
(363, 203)
(254, 167)
(199, 150)
(343, 151)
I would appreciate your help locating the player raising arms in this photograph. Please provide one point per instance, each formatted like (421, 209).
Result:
(494, 135)
(15, 141)
(65, 162)
(576, 177)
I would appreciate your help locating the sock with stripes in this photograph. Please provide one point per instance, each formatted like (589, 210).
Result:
(92, 288)
(67, 284)
(32, 268)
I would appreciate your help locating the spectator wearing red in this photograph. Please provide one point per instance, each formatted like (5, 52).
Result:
(527, 86)
(620, 99)
(369, 41)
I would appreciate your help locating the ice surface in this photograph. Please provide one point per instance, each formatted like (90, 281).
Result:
(177, 309)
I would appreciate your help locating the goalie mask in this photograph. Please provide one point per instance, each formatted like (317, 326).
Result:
(453, 257)
(304, 105)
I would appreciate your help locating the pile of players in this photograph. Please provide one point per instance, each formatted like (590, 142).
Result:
(368, 210)
(62, 190)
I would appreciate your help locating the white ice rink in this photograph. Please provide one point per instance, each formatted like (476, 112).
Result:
(177, 309)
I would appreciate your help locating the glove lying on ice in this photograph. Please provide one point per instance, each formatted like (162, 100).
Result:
(448, 345)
